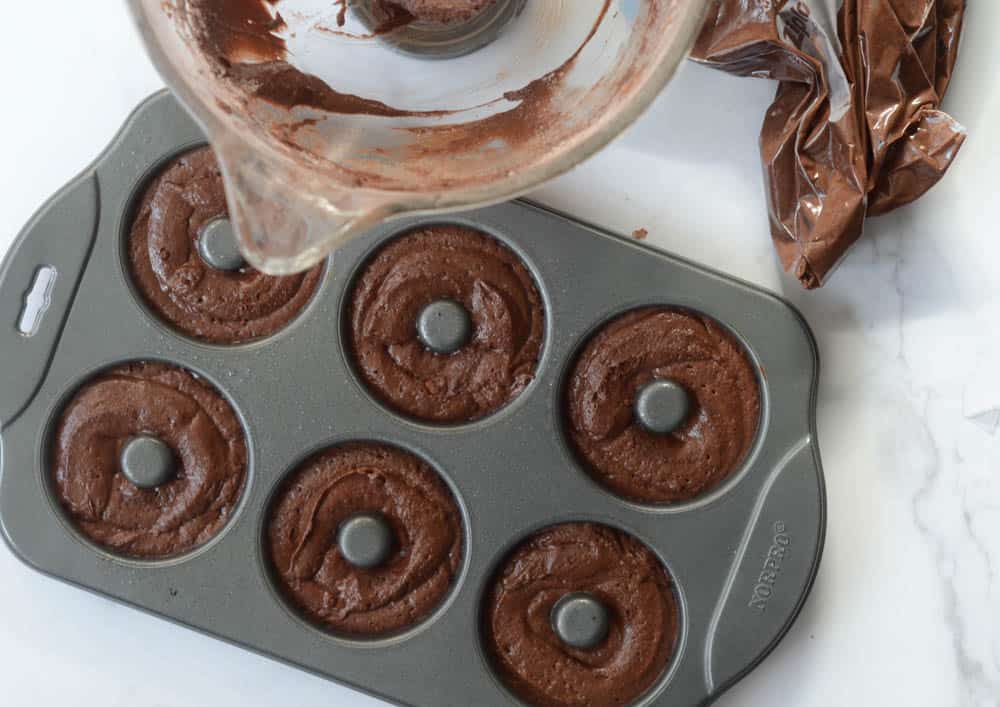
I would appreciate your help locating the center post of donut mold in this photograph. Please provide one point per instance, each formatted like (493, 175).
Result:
(662, 406)
(148, 462)
(581, 620)
(365, 540)
(444, 326)
(219, 247)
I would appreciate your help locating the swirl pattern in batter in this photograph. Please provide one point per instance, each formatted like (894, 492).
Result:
(446, 262)
(691, 350)
(184, 412)
(369, 478)
(611, 566)
(217, 306)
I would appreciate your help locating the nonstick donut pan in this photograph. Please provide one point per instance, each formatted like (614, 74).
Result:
(741, 557)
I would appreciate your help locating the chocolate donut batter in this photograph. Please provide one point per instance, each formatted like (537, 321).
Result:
(208, 304)
(694, 352)
(442, 10)
(180, 410)
(607, 564)
(342, 482)
(459, 264)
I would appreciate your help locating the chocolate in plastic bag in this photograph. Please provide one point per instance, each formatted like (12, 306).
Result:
(855, 129)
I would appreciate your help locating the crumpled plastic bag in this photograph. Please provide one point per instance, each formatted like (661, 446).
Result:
(855, 129)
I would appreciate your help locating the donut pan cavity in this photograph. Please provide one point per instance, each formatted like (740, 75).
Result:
(742, 559)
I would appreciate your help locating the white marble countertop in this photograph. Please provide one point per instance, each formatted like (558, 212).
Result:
(906, 609)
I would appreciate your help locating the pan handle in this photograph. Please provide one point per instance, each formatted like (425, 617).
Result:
(38, 282)
(773, 571)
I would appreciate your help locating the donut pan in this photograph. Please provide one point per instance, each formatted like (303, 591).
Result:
(742, 559)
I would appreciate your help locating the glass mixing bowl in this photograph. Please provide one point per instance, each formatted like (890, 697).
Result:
(331, 115)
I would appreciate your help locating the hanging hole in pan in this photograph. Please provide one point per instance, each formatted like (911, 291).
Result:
(37, 300)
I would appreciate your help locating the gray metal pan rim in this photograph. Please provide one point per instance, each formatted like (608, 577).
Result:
(821, 543)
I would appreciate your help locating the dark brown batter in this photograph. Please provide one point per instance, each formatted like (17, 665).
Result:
(475, 270)
(442, 10)
(182, 411)
(342, 482)
(691, 350)
(613, 567)
(198, 300)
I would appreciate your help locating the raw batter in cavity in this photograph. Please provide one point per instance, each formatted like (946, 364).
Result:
(200, 301)
(366, 478)
(691, 350)
(189, 416)
(610, 566)
(490, 281)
